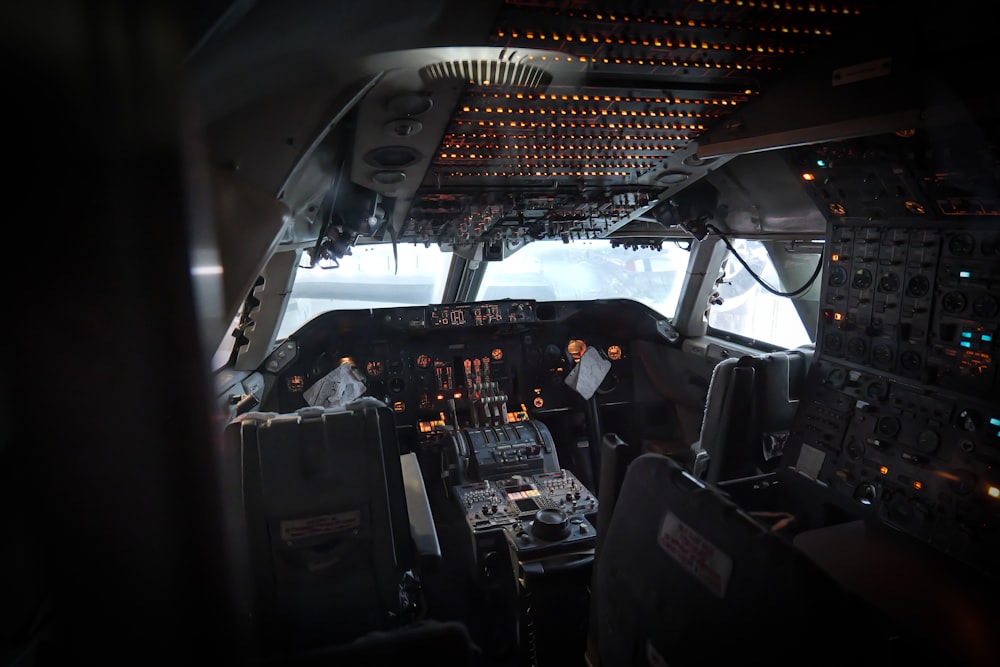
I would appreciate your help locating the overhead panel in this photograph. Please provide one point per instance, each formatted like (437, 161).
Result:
(591, 117)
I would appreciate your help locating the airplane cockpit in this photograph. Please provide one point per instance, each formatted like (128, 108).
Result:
(519, 333)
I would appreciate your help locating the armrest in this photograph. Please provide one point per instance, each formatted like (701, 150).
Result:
(419, 508)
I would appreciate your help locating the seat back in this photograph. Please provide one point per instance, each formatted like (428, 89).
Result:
(685, 577)
(749, 410)
(326, 523)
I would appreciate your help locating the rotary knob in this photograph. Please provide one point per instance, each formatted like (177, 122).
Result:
(550, 524)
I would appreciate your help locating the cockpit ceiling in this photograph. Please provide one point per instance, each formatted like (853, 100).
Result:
(572, 121)
(476, 126)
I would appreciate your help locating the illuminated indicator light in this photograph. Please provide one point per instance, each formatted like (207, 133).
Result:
(964, 274)
(884, 470)
(837, 317)
(807, 176)
(965, 343)
(820, 163)
(966, 334)
(993, 492)
(440, 397)
(986, 337)
(399, 406)
(917, 484)
(995, 421)
(834, 257)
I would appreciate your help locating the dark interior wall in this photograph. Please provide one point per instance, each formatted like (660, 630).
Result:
(111, 488)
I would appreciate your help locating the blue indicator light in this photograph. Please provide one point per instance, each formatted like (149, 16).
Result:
(964, 274)
(987, 337)
(966, 334)
(820, 163)
(995, 421)
(965, 343)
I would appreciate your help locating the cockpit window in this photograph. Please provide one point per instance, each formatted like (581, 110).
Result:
(742, 306)
(368, 278)
(598, 269)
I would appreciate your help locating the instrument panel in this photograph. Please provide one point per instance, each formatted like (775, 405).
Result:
(467, 364)
(902, 422)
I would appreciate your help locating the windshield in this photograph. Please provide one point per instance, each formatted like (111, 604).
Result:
(542, 270)
(368, 278)
(598, 269)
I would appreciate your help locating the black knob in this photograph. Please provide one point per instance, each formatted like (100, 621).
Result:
(866, 493)
(550, 524)
(963, 483)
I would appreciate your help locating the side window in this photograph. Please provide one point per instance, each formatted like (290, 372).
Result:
(744, 307)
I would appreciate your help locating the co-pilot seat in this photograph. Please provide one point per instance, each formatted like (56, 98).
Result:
(326, 520)
(749, 410)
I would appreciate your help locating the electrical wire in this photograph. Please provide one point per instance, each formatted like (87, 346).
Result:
(760, 281)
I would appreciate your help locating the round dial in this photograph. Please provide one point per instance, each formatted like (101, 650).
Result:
(423, 361)
(918, 286)
(862, 279)
(838, 276)
(961, 244)
(882, 355)
(985, 306)
(888, 283)
(497, 354)
(576, 348)
(374, 368)
(910, 360)
(953, 302)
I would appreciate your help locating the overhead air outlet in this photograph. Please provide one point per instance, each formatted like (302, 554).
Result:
(410, 104)
(498, 72)
(695, 161)
(393, 157)
(670, 177)
(389, 177)
(403, 127)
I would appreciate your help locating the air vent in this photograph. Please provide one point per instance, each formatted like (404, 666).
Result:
(670, 177)
(392, 157)
(389, 177)
(488, 73)
(403, 127)
(695, 161)
(410, 104)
